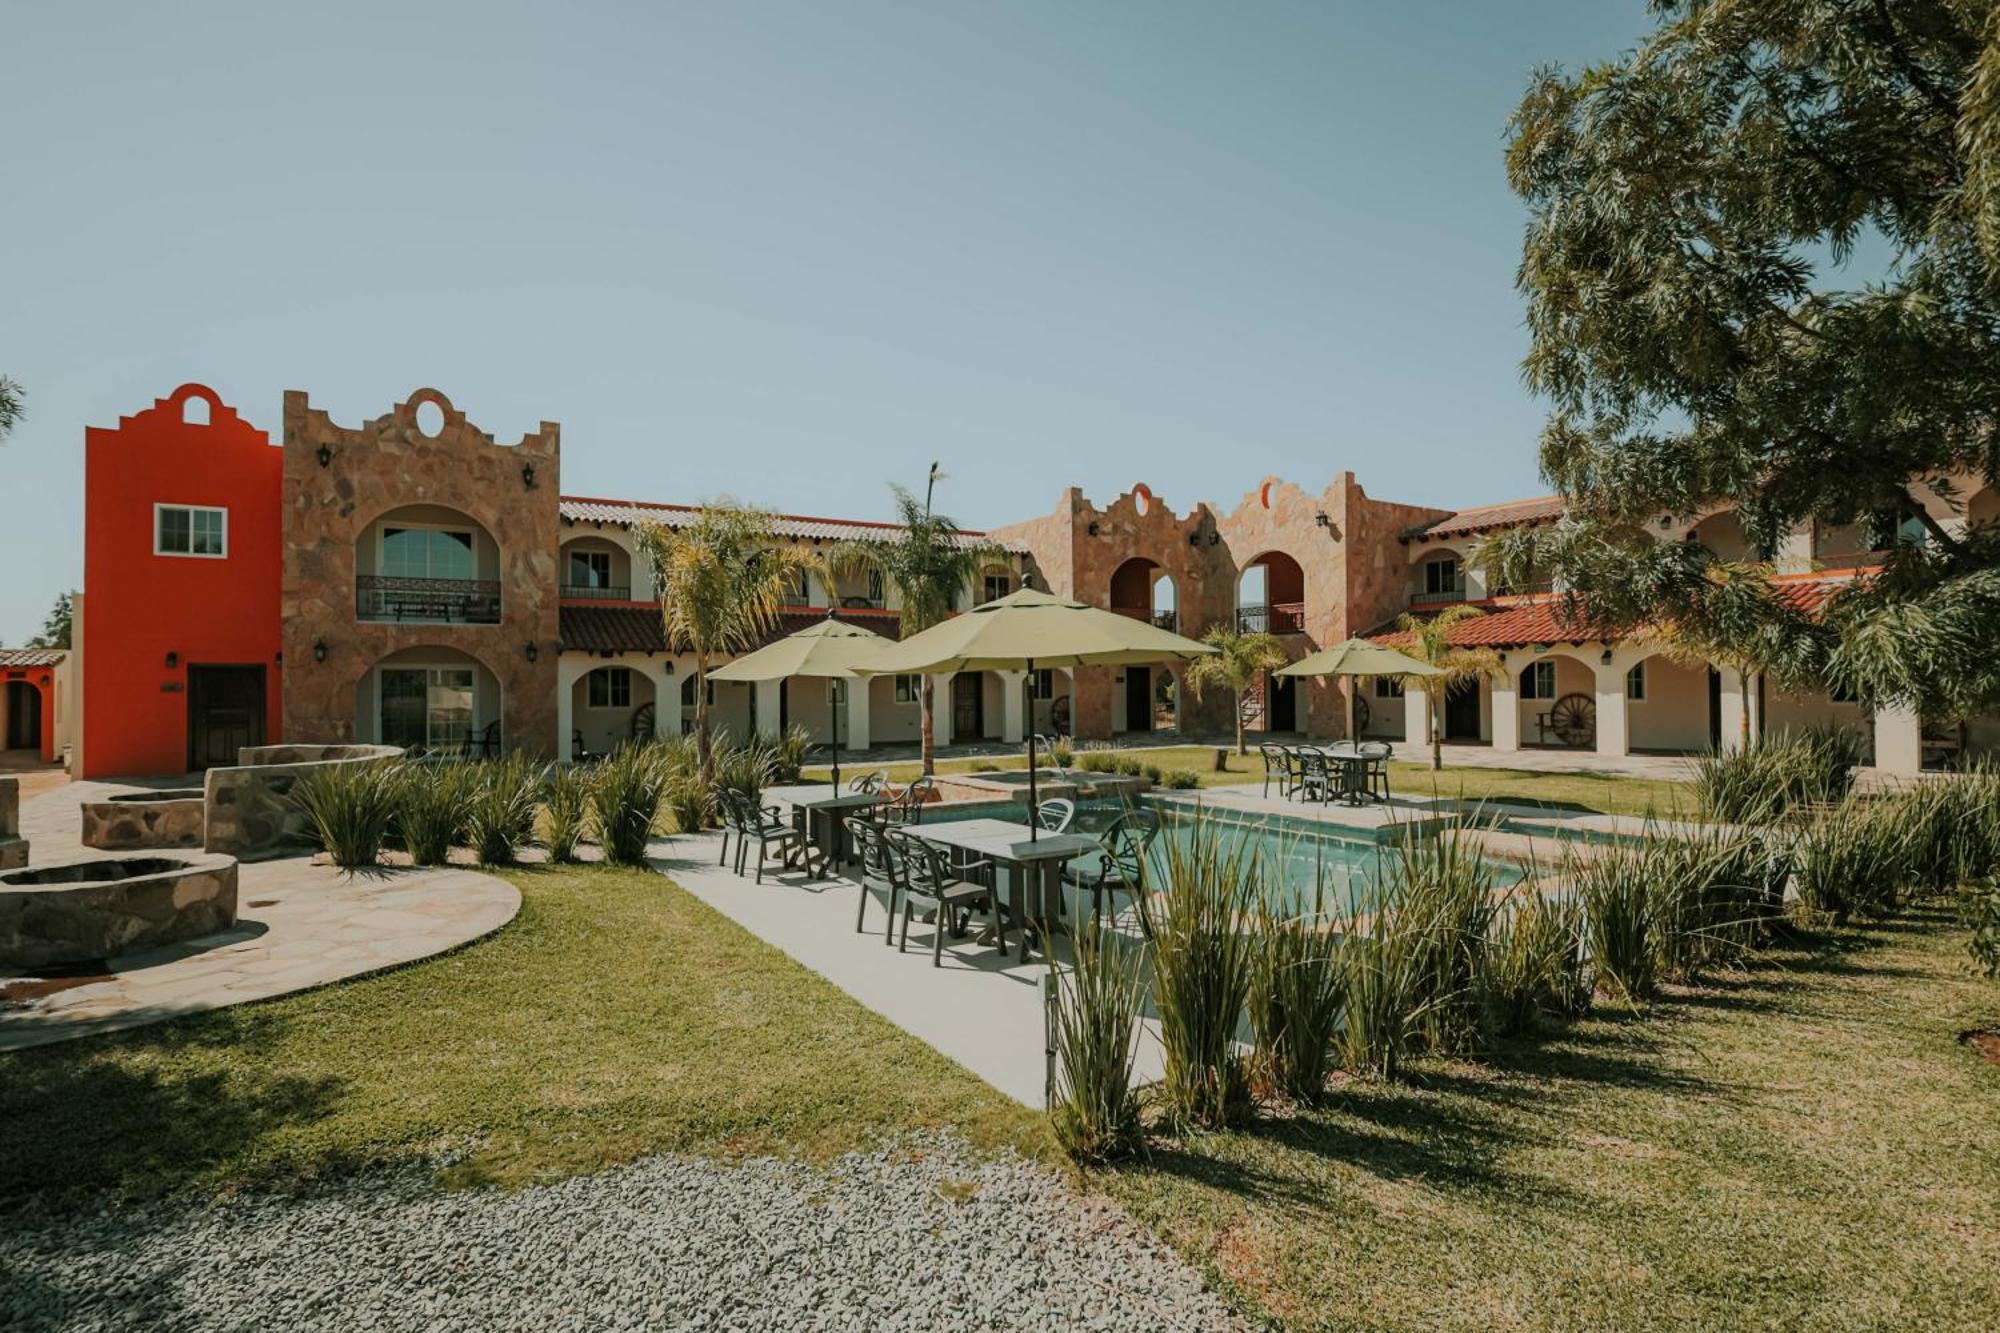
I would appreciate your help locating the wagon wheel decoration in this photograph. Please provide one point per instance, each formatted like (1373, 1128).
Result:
(1574, 720)
(642, 723)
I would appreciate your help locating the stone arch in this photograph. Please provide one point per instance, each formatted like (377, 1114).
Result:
(1723, 536)
(427, 563)
(1271, 594)
(1669, 711)
(430, 697)
(1572, 672)
(598, 566)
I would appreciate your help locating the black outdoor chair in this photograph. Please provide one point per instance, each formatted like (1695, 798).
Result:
(867, 784)
(880, 869)
(1378, 754)
(484, 744)
(1122, 867)
(763, 825)
(929, 880)
(1318, 778)
(1277, 768)
(907, 806)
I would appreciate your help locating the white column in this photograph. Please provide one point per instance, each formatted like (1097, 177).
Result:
(1732, 710)
(1416, 716)
(569, 670)
(1613, 729)
(855, 734)
(941, 709)
(1011, 727)
(1899, 741)
(767, 708)
(1506, 704)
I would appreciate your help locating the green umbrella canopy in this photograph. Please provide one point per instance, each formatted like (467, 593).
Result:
(1031, 626)
(1359, 657)
(826, 648)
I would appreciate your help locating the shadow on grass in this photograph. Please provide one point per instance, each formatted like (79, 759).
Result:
(143, 1113)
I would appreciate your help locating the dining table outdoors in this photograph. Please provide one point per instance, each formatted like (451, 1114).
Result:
(819, 813)
(1033, 862)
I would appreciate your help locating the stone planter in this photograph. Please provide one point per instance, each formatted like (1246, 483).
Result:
(13, 847)
(249, 812)
(144, 819)
(84, 911)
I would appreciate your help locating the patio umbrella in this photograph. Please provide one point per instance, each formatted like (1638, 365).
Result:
(827, 649)
(1358, 657)
(1029, 630)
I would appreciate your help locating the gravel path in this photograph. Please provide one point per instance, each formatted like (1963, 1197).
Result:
(927, 1236)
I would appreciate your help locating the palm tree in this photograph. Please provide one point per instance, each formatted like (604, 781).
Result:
(1430, 643)
(11, 410)
(929, 564)
(1234, 667)
(721, 581)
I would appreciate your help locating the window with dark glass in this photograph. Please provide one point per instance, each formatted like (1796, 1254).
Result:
(611, 687)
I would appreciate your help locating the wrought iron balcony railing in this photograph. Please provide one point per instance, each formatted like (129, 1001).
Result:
(1437, 597)
(597, 592)
(433, 601)
(1277, 618)
(1166, 620)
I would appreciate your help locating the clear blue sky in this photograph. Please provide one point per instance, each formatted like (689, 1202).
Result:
(787, 252)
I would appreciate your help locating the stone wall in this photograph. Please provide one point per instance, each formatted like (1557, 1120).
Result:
(85, 911)
(13, 847)
(144, 820)
(385, 464)
(248, 809)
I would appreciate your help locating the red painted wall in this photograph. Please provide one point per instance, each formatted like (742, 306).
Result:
(44, 681)
(140, 606)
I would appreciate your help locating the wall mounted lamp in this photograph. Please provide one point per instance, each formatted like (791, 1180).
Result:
(528, 475)
(173, 659)
(319, 650)
(324, 455)
(1324, 519)
(533, 650)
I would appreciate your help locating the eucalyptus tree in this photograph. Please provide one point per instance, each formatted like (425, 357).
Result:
(1762, 269)
(722, 579)
(930, 563)
(1237, 662)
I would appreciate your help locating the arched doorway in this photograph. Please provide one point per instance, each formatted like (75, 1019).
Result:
(611, 705)
(24, 716)
(427, 564)
(430, 700)
(1271, 596)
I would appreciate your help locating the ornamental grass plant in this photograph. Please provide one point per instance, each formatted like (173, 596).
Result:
(625, 793)
(565, 811)
(1532, 969)
(433, 803)
(349, 807)
(1439, 894)
(1295, 1000)
(1093, 1108)
(500, 818)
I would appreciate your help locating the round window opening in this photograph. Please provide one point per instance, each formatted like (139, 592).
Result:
(430, 419)
(1142, 499)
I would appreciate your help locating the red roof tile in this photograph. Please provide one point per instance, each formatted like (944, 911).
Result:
(1486, 518)
(631, 627)
(580, 509)
(32, 657)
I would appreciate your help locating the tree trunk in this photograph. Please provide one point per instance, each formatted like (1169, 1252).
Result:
(1743, 708)
(704, 747)
(1436, 712)
(1241, 748)
(925, 729)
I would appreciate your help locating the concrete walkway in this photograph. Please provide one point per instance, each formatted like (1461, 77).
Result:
(981, 1010)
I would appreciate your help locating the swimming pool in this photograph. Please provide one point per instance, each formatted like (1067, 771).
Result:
(1307, 862)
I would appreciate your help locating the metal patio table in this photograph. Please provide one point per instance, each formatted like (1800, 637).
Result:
(821, 818)
(1025, 858)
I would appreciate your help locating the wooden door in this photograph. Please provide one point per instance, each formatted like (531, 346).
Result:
(225, 713)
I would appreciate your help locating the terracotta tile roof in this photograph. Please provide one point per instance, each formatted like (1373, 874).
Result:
(1516, 623)
(633, 627)
(578, 509)
(1486, 518)
(32, 657)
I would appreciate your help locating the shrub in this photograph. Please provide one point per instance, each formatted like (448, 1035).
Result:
(1621, 910)
(1716, 894)
(1180, 779)
(1849, 860)
(1777, 773)
(349, 806)
(501, 815)
(1060, 754)
(985, 766)
(1202, 954)
(1094, 1109)
(1980, 909)
(745, 769)
(1378, 968)
(1098, 761)
(1532, 967)
(788, 754)
(433, 800)
(625, 792)
(1440, 892)
(687, 798)
(1951, 829)
(1131, 766)
(1295, 999)
(565, 810)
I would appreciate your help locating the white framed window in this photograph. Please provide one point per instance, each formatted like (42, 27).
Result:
(194, 530)
(1538, 680)
(428, 707)
(1635, 683)
(1044, 685)
(590, 569)
(995, 587)
(1388, 687)
(427, 553)
(1441, 576)
(908, 691)
(610, 687)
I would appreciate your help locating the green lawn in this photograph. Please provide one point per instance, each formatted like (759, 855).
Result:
(617, 1016)
(1601, 794)
(1806, 1146)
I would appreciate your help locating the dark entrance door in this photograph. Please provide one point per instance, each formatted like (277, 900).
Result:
(1714, 709)
(968, 705)
(225, 713)
(1461, 712)
(24, 716)
(1284, 695)
(1138, 699)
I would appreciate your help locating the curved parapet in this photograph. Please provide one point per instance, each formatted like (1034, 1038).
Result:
(248, 811)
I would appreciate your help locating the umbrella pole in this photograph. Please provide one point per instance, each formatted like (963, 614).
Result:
(1028, 721)
(833, 686)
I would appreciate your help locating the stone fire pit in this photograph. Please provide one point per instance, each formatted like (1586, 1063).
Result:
(145, 819)
(82, 911)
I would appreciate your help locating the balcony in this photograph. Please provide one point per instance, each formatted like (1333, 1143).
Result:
(1166, 620)
(1277, 618)
(1438, 596)
(383, 597)
(597, 592)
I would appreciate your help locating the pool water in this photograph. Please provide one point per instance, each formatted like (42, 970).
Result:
(1314, 867)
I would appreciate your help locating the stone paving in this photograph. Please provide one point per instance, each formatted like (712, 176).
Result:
(299, 925)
